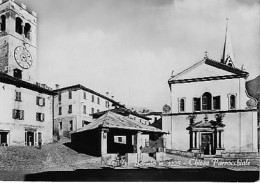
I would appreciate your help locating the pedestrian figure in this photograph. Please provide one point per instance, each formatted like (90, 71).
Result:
(40, 143)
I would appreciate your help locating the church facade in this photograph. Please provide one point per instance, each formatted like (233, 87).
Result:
(26, 106)
(211, 112)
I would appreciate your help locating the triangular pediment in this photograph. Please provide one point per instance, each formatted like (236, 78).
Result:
(207, 68)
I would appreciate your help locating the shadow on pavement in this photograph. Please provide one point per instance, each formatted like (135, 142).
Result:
(209, 174)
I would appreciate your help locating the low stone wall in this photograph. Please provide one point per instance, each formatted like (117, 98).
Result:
(184, 153)
(235, 155)
(107, 158)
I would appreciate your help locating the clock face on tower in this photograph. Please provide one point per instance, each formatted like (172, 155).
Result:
(23, 57)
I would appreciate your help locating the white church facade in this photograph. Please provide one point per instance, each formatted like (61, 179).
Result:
(211, 112)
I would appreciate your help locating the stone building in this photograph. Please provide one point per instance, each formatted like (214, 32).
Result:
(26, 106)
(211, 112)
(73, 106)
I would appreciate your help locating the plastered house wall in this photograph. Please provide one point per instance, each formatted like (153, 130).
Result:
(16, 127)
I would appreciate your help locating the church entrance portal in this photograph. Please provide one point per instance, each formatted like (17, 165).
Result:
(207, 143)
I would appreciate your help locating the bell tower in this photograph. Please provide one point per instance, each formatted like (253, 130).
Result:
(18, 41)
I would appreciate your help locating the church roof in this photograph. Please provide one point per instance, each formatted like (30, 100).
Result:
(5, 78)
(236, 72)
(113, 120)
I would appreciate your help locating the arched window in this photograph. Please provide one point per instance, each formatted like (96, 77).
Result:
(206, 101)
(18, 25)
(27, 30)
(232, 102)
(3, 23)
(182, 105)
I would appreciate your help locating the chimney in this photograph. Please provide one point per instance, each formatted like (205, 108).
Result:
(57, 86)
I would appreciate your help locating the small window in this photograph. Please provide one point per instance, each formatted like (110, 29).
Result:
(216, 103)
(60, 125)
(93, 98)
(84, 109)
(39, 116)
(107, 104)
(59, 97)
(182, 105)
(18, 114)
(232, 102)
(97, 110)
(60, 110)
(71, 125)
(98, 100)
(70, 109)
(18, 25)
(84, 95)
(27, 30)
(92, 110)
(3, 23)
(120, 139)
(70, 94)
(40, 101)
(18, 96)
(206, 101)
(17, 73)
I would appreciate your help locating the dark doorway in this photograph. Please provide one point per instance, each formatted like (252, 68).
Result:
(30, 139)
(206, 143)
(3, 138)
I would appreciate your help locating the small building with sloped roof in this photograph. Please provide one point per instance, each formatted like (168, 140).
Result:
(113, 133)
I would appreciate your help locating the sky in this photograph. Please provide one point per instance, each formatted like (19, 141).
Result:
(130, 48)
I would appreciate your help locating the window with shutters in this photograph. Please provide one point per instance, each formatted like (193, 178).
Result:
(216, 103)
(70, 94)
(70, 109)
(84, 109)
(59, 98)
(71, 125)
(40, 101)
(206, 101)
(39, 116)
(60, 110)
(60, 125)
(182, 105)
(107, 104)
(196, 104)
(18, 96)
(18, 114)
